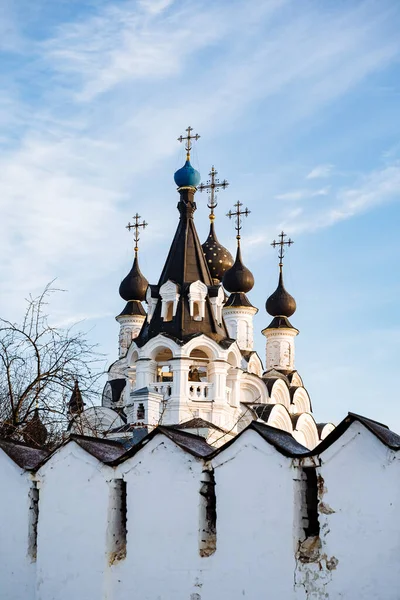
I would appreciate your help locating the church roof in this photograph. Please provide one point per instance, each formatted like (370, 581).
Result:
(238, 299)
(281, 303)
(185, 264)
(23, 455)
(280, 322)
(218, 258)
(134, 286)
(133, 307)
(238, 278)
(76, 403)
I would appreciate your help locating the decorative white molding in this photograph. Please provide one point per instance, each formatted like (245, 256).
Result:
(169, 300)
(280, 348)
(239, 321)
(197, 300)
(151, 304)
(217, 303)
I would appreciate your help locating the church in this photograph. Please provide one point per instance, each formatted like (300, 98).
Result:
(188, 359)
(203, 475)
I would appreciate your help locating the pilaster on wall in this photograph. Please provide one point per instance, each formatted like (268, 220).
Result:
(280, 348)
(130, 326)
(146, 371)
(239, 321)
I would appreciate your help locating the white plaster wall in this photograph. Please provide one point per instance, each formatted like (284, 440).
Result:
(162, 561)
(72, 526)
(255, 524)
(17, 571)
(360, 526)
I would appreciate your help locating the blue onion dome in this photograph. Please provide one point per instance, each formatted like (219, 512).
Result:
(238, 278)
(134, 286)
(281, 303)
(218, 258)
(187, 176)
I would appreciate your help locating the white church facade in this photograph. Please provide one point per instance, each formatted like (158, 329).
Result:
(186, 344)
(208, 477)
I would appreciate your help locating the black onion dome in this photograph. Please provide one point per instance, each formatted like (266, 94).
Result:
(281, 303)
(134, 286)
(218, 258)
(238, 278)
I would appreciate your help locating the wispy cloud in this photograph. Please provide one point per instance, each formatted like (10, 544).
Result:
(374, 189)
(100, 99)
(302, 194)
(320, 172)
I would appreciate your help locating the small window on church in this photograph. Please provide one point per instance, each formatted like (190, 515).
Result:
(117, 521)
(196, 312)
(141, 412)
(169, 311)
(208, 515)
(33, 521)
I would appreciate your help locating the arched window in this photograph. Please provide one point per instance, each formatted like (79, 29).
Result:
(169, 311)
(169, 300)
(197, 300)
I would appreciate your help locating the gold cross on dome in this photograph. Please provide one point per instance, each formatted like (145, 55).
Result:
(282, 243)
(136, 226)
(188, 138)
(238, 214)
(213, 185)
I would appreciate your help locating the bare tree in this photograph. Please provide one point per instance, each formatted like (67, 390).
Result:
(39, 365)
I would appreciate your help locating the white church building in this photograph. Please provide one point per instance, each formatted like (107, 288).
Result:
(208, 477)
(187, 356)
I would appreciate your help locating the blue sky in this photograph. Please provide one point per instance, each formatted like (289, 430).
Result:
(297, 104)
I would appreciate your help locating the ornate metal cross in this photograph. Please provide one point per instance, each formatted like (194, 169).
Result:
(282, 243)
(189, 137)
(213, 185)
(238, 214)
(136, 226)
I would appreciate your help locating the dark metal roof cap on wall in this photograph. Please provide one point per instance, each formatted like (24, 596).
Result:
(23, 455)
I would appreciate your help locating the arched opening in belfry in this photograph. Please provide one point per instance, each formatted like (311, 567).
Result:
(164, 371)
(198, 377)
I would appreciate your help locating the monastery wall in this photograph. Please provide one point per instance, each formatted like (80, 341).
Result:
(236, 524)
(72, 526)
(17, 566)
(359, 504)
